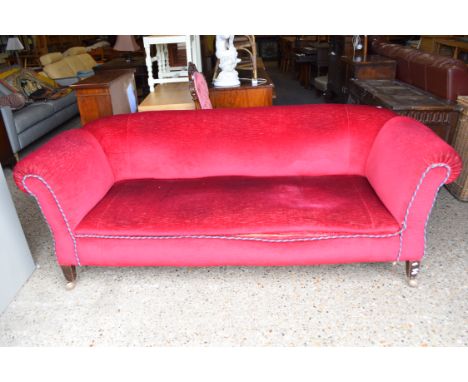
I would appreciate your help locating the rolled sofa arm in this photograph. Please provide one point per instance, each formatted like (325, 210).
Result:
(406, 167)
(67, 176)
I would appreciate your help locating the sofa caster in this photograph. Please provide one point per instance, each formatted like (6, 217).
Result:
(70, 275)
(70, 285)
(412, 270)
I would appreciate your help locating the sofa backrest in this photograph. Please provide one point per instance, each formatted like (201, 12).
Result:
(442, 76)
(75, 50)
(276, 141)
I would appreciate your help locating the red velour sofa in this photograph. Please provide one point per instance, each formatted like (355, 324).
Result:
(282, 185)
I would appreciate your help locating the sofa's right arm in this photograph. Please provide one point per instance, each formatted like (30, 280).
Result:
(67, 176)
(407, 165)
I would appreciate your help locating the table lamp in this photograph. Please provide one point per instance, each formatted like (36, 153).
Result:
(15, 45)
(126, 44)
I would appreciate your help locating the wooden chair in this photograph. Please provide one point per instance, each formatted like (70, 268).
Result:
(198, 88)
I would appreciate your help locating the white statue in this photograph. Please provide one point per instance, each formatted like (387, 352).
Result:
(227, 55)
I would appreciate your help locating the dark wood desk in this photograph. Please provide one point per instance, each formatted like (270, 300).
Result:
(244, 95)
(141, 73)
(440, 115)
(104, 94)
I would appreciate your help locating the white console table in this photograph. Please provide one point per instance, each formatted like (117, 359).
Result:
(166, 73)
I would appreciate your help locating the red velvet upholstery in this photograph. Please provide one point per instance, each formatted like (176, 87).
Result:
(286, 206)
(262, 186)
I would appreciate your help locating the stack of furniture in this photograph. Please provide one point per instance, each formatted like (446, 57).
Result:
(426, 87)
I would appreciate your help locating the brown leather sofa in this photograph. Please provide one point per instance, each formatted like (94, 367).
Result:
(444, 77)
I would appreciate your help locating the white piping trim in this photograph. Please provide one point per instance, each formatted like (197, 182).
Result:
(413, 197)
(23, 181)
(164, 237)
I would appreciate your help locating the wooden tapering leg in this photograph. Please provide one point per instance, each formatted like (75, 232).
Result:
(69, 271)
(412, 270)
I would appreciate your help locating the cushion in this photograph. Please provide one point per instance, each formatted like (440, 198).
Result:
(202, 91)
(87, 61)
(74, 51)
(28, 83)
(13, 100)
(60, 69)
(286, 206)
(50, 58)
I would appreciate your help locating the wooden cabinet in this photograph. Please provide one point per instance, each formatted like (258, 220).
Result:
(108, 92)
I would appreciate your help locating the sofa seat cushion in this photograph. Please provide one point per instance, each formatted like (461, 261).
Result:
(32, 114)
(61, 103)
(249, 206)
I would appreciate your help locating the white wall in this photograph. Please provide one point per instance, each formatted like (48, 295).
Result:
(16, 263)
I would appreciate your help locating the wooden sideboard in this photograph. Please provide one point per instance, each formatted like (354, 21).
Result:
(105, 94)
(245, 95)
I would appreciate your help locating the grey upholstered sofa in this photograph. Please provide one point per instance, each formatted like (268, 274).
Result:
(25, 125)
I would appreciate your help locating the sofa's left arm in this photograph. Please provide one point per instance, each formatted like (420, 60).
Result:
(67, 176)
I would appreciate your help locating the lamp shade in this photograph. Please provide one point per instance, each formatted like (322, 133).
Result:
(14, 43)
(126, 44)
